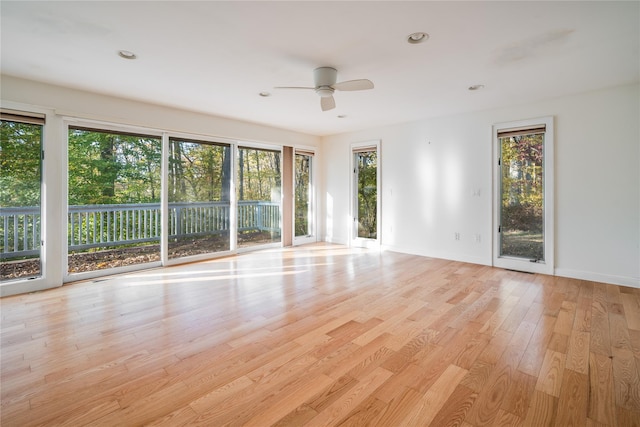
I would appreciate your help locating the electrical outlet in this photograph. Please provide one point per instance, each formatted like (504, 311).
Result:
(456, 235)
(477, 237)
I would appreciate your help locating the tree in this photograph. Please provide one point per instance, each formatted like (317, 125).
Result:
(522, 184)
(20, 163)
(367, 193)
(107, 167)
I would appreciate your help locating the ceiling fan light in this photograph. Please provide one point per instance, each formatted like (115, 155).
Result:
(324, 92)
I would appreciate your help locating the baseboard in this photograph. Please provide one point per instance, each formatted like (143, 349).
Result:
(440, 255)
(335, 241)
(633, 282)
(24, 287)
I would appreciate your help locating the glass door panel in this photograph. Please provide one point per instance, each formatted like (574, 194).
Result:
(366, 198)
(522, 196)
(199, 197)
(259, 197)
(20, 200)
(114, 199)
(303, 208)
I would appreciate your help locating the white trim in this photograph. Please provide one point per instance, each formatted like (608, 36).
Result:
(50, 207)
(259, 145)
(633, 282)
(546, 267)
(276, 245)
(110, 126)
(313, 237)
(164, 200)
(93, 274)
(198, 257)
(355, 241)
(234, 200)
(449, 256)
(100, 126)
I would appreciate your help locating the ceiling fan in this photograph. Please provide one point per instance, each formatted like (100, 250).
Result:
(324, 79)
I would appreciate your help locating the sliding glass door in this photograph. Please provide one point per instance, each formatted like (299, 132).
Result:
(114, 217)
(20, 196)
(199, 197)
(259, 197)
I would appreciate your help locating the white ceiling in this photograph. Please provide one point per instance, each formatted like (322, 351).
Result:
(216, 57)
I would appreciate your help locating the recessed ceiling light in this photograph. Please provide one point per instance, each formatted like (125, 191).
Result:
(416, 38)
(264, 94)
(126, 54)
(476, 87)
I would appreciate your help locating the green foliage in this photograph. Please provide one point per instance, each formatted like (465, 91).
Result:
(198, 172)
(20, 164)
(302, 186)
(522, 183)
(367, 165)
(258, 174)
(112, 168)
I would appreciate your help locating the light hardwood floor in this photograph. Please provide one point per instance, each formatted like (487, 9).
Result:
(322, 335)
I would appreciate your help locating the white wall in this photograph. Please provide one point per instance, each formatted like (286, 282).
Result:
(58, 103)
(431, 169)
(76, 103)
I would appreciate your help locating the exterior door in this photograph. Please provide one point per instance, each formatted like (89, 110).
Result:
(199, 199)
(114, 219)
(258, 187)
(365, 195)
(303, 198)
(20, 196)
(524, 239)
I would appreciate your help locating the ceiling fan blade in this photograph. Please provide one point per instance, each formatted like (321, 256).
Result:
(327, 103)
(293, 87)
(360, 84)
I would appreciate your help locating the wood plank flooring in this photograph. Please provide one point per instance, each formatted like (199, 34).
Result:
(322, 335)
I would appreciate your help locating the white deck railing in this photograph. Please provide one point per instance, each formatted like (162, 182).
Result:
(91, 226)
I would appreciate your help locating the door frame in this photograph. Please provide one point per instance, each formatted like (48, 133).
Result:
(521, 264)
(354, 240)
(51, 207)
(102, 126)
(312, 237)
(252, 145)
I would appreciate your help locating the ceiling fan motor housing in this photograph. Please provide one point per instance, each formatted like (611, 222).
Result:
(325, 76)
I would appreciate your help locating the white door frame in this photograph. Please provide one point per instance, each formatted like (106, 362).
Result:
(521, 264)
(356, 241)
(312, 237)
